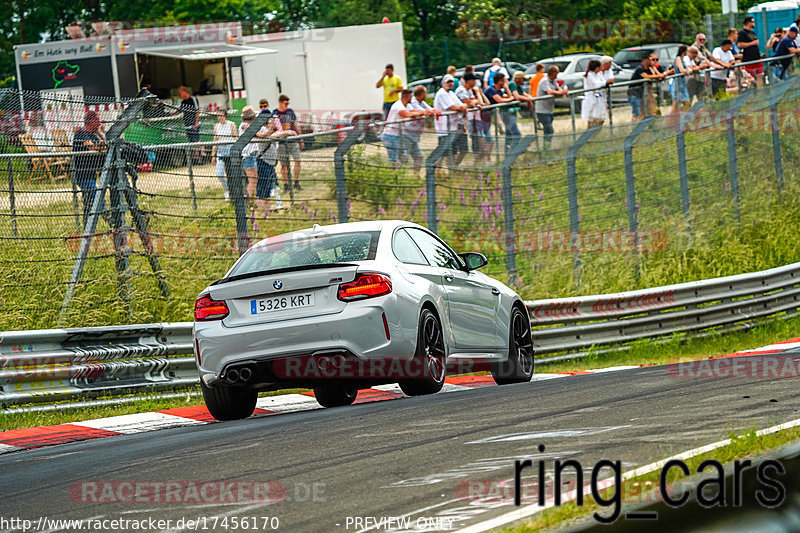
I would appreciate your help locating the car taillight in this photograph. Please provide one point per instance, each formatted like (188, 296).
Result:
(207, 309)
(365, 286)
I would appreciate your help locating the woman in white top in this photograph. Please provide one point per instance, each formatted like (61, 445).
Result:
(224, 131)
(593, 110)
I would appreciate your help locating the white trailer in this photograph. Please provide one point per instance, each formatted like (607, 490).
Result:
(327, 70)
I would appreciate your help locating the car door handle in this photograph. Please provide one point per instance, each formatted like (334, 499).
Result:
(495, 290)
(448, 277)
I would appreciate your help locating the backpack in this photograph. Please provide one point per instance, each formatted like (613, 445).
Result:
(490, 81)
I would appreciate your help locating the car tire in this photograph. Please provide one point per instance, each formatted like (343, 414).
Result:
(431, 357)
(518, 368)
(335, 395)
(229, 403)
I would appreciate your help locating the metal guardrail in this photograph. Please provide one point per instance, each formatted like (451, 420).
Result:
(58, 364)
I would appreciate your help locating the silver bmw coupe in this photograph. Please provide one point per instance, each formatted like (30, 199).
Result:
(345, 307)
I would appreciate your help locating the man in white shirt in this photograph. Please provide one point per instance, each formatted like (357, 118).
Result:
(413, 130)
(606, 62)
(488, 76)
(724, 57)
(450, 124)
(396, 148)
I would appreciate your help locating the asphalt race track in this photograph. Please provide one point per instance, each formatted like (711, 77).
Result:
(417, 458)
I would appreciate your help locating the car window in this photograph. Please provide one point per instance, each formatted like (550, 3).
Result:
(436, 252)
(583, 64)
(277, 252)
(405, 250)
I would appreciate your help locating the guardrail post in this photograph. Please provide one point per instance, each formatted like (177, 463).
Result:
(610, 109)
(430, 178)
(191, 178)
(630, 187)
(572, 186)
(112, 136)
(341, 176)
(12, 198)
(510, 238)
(777, 153)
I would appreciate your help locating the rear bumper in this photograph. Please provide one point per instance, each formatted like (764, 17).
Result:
(358, 330)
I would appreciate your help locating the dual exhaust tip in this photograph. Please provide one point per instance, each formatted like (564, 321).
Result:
(238, 376)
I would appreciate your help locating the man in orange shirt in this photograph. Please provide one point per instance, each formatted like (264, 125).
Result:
(534, 85)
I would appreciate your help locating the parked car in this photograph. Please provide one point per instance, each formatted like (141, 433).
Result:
(332, 297)
(572, 69)
(435, 82)
(629, 58)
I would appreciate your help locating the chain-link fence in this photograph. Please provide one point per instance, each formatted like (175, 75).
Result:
(113, 213)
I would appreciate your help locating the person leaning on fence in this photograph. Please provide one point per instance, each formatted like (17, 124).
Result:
(696, 81)
(593, 110)
(719, 75)
(471, 97)
(397, 149)
(447, 125)
(606, 62)
(533, 86)
(499, 93)
(224, 131)
(677, 86)
(545, 107)
(86, 166)
(250, 151)
(266, 155)
(748, 42)
(786, 46)
(636, 92)
(413, 130)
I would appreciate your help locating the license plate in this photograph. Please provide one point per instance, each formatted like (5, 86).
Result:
(281, 303)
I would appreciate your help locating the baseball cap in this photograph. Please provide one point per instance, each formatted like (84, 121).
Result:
(728, 42)
(447, 77)
(470, 76)
(793, 28)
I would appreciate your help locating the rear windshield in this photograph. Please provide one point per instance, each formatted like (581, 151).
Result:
(562, 66)
(631, 57)
(280, 253)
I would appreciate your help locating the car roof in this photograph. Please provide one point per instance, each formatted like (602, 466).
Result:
(347, 227)
(651, 46)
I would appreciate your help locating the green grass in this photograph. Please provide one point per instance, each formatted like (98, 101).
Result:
(743, 445)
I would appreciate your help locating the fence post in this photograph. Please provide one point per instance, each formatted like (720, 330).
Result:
(12, 198)
(572, 112)
(191, 177)
(76, 207)
(430, 178)
(572, 186)
(510, 238)
(234, 171)
(341, 176)
(774, 127)
(610, 109)
(683, 170)
(112, 136)
(630, 188)
(709, 28)
(733, 167)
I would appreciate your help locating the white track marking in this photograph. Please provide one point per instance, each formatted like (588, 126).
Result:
(139, 423)
(288, 403)
(5, 448)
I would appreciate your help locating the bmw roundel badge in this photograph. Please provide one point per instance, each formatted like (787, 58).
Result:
(277, 284)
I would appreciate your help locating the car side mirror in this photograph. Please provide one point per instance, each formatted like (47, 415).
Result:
(474, 260)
